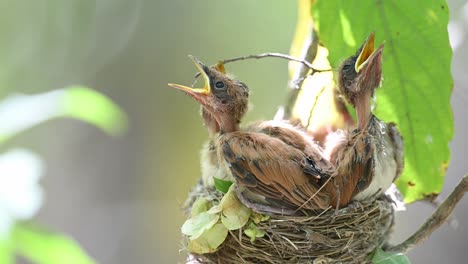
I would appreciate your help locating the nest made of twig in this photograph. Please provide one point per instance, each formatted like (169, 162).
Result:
(347, 235)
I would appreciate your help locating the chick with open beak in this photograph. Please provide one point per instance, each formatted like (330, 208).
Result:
(277, 167)
(220, 94)
(373, 153)
(223, 99)
(359, 76)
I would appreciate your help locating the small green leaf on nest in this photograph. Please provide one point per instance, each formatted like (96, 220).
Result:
(234, 213)
(209, 241)
(253, 232)
(222, 185)
(199, 206)
(257, 218)
(195, 226)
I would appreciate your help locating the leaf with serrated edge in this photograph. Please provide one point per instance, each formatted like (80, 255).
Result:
(417, 85)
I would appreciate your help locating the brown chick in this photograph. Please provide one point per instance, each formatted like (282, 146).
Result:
(277, 167)
(372, 154)
(214, 77)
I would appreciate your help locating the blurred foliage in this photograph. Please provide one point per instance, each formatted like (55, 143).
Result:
(45, 247)
(49, 43)
(21, 112)
(417, 84)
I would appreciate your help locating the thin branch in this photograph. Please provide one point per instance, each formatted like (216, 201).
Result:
(307, 64)
(439, 216)
(308, 53)
(275, 55)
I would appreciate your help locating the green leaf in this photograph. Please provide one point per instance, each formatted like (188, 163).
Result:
(93, 107)
(40, 246)
(209, 241)
(234, 213)
(199, 206)
(6, 251)
(257, 218)
(196, 225)
(222, 185)
(382, 257)
(21, 112)
(253, 232)
(417, 84)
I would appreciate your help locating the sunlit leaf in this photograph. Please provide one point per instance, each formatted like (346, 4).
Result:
(253, 232)
(417, 84)
(222, 185)
(43, 247)
(234, 213)
(302, 36)
(196, 225)
(315, 106)
(20, 112)
(382, 257)
(209, 241)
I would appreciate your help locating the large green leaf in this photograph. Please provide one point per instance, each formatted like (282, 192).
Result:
(417, 83)
(20, 112)
(44, 247)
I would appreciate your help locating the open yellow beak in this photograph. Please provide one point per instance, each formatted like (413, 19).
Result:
(197, 93)
(366, 52)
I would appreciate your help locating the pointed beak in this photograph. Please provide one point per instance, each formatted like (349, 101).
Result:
(199, 94)
(369, 56)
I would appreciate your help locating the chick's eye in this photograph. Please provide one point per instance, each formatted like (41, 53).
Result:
(219, 85)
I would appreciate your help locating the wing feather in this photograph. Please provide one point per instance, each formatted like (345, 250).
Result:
(275, 169)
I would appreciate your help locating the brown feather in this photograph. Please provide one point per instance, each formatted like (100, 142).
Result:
(275, 169)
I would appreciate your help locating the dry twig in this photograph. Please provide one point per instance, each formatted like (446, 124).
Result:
(439, 216)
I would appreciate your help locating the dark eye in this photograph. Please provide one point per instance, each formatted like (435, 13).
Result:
(219, 85)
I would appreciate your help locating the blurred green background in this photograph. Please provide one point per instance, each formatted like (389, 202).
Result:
(120, 197)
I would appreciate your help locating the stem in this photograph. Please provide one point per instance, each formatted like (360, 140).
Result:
(267, 55)
(274, 55)
(439, 216)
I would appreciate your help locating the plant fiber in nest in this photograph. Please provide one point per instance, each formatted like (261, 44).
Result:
(347, 235)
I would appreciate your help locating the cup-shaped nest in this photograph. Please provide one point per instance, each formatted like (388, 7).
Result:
(348, 235)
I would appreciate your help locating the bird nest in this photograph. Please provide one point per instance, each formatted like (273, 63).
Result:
(347, 235)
